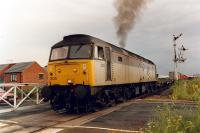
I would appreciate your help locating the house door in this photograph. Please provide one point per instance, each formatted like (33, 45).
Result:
(108, 64)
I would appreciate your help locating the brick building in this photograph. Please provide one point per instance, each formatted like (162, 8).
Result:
(3, 68)
(25, 72)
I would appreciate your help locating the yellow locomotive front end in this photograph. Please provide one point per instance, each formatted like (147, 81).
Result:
(70, 72)
(70, 65)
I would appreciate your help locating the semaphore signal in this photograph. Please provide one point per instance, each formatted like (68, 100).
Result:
(178, 58)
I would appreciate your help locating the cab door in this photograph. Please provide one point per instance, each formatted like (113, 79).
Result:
(108, 64)
(99, 65)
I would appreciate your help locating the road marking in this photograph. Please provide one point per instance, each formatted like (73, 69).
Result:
(22, 108)
(7, 121)
(11, 129)
(56, 130)
(51, 130)
(5, 110)
(101, 128)
(3, 124)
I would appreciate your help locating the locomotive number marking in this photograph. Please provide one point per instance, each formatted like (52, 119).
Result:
(53, 78)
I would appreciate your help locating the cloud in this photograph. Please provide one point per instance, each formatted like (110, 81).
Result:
(30, 28)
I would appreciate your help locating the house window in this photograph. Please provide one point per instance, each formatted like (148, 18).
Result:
(41, 76)
(1, 79)
(13, 77)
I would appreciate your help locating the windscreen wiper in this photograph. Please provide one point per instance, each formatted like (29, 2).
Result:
(78, 48)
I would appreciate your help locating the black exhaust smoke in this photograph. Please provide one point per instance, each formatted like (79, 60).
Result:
(127, 12)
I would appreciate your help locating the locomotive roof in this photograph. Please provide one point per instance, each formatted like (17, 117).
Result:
(87, 39)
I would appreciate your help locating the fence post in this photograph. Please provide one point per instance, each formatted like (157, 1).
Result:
(37, 96)
(15, 96)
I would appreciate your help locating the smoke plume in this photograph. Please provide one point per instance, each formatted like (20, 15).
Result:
(127, 11)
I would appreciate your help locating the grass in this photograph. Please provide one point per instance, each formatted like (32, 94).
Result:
(170, 119)
(186, 90)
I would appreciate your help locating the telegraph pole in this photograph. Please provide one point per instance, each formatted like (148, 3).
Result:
(177, 58)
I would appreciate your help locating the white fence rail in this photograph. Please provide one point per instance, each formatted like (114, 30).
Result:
(25, 90)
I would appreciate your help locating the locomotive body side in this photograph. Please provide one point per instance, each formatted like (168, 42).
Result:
(83, 69)
(125, 69)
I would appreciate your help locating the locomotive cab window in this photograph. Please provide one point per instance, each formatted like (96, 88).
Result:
(79, 51)
(99, 53)
(82, 51)
(59, 53)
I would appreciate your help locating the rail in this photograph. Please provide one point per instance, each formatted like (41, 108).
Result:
(19, 93)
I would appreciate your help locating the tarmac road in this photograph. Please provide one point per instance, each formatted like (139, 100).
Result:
(127, 119)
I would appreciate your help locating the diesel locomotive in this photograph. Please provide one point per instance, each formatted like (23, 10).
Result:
(85, 71)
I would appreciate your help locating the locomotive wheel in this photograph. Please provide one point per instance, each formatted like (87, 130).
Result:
(149, 89)
(111, 99)
(81, 98)
(133, 92)
(83, 107)
(127, 93)
(68, 106)
(54, 103)
(105, 98)
(140, 90)
(57, 101)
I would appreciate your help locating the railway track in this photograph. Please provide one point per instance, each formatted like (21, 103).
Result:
(53, 122)
(84, 118)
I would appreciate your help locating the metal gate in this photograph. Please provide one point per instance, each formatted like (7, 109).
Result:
(20, 93)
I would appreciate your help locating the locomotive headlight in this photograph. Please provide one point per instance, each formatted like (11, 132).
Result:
(75, 70)
(84, 68)
(69, 81)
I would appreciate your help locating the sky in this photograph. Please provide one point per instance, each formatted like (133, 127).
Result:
(28, 29)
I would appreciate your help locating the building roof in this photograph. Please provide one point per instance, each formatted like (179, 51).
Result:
(3, 66)
(19, 67)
